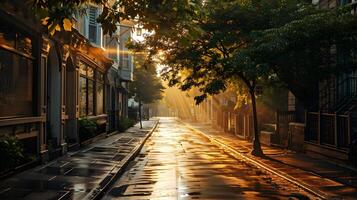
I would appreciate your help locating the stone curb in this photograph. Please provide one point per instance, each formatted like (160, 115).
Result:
(119, 169)
(234, 153)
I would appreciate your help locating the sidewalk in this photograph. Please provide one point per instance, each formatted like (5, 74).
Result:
(324, 178)
(83, 174)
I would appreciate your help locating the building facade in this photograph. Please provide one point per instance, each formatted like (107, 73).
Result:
(120, 72)
(331, 125)
(23, 59)
(50, 84)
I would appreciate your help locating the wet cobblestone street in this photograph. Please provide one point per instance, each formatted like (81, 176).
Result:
(177, 163)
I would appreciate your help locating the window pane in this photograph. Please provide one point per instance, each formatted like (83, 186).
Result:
(126, 63)
(24, 44)
(83, 97)
(7, 37)
(90, 97)
(16, 85)
(92, 28)
(82, 69)
(90, 73)
(125, 59)
(92, 33)
(100, 77)
(100, 99)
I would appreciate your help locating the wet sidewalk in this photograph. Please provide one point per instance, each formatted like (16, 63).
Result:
(323, 177)
(83, 174)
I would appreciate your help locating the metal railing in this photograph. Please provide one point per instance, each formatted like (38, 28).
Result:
(328, 129)
(285, 116)
(335, 96)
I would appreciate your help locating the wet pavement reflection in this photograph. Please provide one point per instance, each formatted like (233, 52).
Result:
(177, 163)
(77, 175)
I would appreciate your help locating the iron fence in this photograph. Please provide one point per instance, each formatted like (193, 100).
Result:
(328, 129)
(335, 94)
(285, 116)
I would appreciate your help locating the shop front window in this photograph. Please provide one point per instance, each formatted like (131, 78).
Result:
(83, 96)
(90, 97)
(16, 74)
(92, 91)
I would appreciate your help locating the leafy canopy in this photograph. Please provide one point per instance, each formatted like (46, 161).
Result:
(216, 41)
(214, 55)
(258, 41)
(160, 16)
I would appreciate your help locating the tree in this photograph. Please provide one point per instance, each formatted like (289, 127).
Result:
(255, 41)
(216, 41)
(160, 16)
(308, 49)
(146, 87)
(214, 55)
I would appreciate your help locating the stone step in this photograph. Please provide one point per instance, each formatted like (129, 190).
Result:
(266, 137)
(269, 127)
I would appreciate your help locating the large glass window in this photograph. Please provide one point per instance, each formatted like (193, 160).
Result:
(124, 53)
(16, 74)
(86, 90)
(83, 96)
(91, 89)
(90, 97)
(125, 59)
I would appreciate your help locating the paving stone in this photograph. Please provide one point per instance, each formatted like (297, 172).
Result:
(77, 174)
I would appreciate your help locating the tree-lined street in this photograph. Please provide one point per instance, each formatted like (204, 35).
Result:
(178, 99)
(179, 160)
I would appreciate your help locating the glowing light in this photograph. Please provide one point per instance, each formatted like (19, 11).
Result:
(114, 50)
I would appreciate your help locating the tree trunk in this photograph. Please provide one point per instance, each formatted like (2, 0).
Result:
(257, 150)
(140, 115)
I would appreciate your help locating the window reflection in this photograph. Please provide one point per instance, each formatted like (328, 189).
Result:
(90, 72)
(83, 97)
(82, 69)
(92, 91)
(15, 41)
(100, 77)
(100, 99)
(90, 97)
(16, 85)
(7, 38)
(24, 44)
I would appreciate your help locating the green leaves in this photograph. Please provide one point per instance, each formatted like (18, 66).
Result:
(12, 153)
(214, 41)
(300, 51)
(154, 15)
